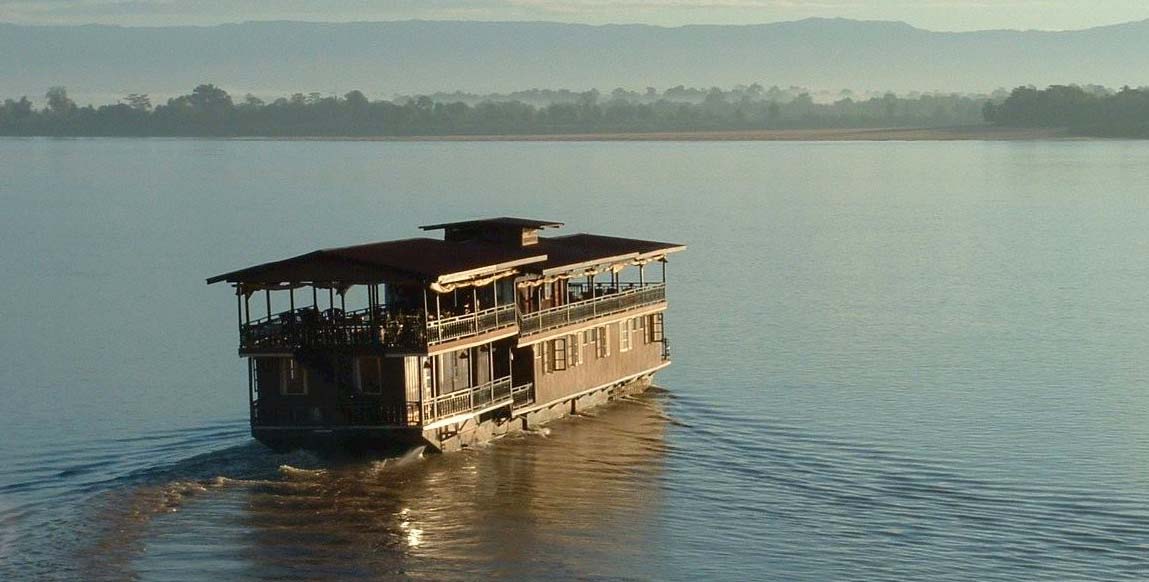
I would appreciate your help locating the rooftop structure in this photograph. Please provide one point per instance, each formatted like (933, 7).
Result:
(442, 341)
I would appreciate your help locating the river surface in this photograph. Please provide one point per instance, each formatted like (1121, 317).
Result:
(892, 361)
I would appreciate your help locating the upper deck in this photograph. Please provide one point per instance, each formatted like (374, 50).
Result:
(486, 280)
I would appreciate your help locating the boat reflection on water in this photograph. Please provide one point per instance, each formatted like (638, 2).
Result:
(575, 499)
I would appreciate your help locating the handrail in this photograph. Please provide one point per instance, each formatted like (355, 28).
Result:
(588, 309)
(286, 414)
(470, 324)
(522, 395)
(306, 327)
(492, 393)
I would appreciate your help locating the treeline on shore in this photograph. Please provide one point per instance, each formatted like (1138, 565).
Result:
(1085, 111)
(210, 111)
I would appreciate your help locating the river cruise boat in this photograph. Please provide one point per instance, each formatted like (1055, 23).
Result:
(448, 342)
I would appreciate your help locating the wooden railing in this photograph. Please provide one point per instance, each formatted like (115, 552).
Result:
(613, 300)
(469, 400)
(523, 395)
(268, 414)
(470, 324)
(307, 327)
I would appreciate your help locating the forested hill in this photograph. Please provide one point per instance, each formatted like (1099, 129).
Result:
(100, 63)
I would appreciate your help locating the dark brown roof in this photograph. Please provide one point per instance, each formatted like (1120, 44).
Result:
(427, 259)
(587, 249)
(416, 259)
(502, 221)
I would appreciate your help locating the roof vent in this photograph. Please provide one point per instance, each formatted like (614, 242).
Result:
(521, 232)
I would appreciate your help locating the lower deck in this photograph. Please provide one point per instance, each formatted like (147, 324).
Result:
(461, 433)
(359, 399)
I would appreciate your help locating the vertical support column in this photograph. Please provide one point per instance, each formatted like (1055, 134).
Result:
(371, 301)
(239, 309)
(423, 361)
(439, 316)
(267, 300)
(593, 304)
(436, 365)
(251, 389)
(495, 301)
(475, 308)
(426, 310)
(641, 274)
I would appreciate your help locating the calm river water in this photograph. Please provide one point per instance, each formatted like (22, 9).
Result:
(892, 361)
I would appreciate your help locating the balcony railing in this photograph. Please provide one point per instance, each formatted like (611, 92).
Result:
(307, 327)
(470, 324)
(267, 414)
(469, 400)
(523, 395)
(607, 301)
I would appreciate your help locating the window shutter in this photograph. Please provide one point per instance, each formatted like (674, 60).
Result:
(575, 350)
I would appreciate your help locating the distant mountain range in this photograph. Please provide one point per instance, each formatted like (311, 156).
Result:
(384, 58)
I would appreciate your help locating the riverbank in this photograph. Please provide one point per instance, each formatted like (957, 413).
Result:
(978, 133)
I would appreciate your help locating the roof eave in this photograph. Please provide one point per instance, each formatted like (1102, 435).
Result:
(488, 269)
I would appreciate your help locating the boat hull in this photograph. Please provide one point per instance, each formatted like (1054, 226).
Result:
(466, 432)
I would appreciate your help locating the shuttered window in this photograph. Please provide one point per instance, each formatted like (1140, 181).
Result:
(602, 342)
(559, 346)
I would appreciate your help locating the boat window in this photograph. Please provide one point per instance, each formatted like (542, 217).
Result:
(369, 375)
(656, 327)
(292, 378)
(559, 346)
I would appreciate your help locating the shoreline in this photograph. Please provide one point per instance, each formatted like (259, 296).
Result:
(864, 134)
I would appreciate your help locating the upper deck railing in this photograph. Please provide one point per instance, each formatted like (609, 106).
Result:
(411, 331)
(307, 327)
(382, 327)
(603, 301)
(470, 324)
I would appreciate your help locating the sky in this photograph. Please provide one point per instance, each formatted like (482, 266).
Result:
(945, 15)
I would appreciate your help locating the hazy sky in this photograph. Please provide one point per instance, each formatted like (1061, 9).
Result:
(931, 14)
